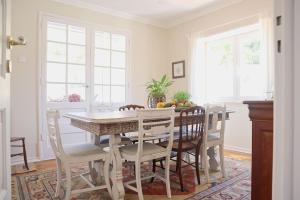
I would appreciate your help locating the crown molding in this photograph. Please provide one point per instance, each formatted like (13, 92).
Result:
(112, 12)
(158, 23)
(201, 12)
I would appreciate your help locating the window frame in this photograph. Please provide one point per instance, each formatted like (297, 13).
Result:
(234, 35)
(90, 29)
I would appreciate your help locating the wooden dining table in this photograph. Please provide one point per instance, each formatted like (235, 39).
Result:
(113, 124)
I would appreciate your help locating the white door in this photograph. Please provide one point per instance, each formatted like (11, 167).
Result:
(83, 68)
(4, 103)
(64, 82)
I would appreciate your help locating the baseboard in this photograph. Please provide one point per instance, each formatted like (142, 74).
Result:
(20, 160)
(237, 149)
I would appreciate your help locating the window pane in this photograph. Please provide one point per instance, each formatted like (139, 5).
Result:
(250, 48)
(118, 42)
(76, 35)
(76, 73)
(76, 54)
(56, 92)
(102, 40)
(76, 92)
(117, 76)
(102, 75)
(56, 32)
(252, 81)
(220, 74)
(102, 94)
(251, 74)
(117, 59)
(56, 72)
(102, 57)
(117, 94)
(56, 52)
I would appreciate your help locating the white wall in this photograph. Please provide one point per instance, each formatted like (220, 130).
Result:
(238, 131)
(148, 48)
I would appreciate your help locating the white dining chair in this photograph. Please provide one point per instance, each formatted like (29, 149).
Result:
(213, 136)
(69, 156)
(154, 124)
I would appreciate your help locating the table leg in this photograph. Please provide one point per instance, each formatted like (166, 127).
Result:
(118, 191)
(213, 163)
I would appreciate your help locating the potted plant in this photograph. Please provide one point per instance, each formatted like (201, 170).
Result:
(181, 97)
(157, 90)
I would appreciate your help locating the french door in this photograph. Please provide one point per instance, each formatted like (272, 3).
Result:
(83, 69)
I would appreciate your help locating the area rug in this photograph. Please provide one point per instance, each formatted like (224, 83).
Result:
(41, 185)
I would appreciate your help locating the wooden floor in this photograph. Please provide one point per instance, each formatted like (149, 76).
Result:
(49, 164)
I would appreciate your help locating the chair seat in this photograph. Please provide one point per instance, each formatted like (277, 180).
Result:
(130, 151)
(186, 145)
(213, 140)
(82, 152)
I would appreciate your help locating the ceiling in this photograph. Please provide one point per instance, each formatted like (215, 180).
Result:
(162, 13)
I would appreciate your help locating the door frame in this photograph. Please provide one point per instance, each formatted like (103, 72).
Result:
(286, 153)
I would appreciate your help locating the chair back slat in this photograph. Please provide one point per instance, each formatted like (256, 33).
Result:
(215, 119)
(191, 125)
(131, 107)
(155, 124)
(54, 132)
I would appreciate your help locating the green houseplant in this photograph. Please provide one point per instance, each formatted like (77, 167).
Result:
(181, 96)
(157, 90)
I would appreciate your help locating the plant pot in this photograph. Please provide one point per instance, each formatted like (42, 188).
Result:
(152, 100)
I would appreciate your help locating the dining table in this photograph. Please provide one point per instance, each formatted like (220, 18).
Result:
(113, 124)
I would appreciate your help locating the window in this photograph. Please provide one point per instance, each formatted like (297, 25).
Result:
(109, 70)
(85, 62)
(232, 65)
(66, 61)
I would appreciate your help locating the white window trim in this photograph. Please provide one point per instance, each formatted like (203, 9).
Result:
(236, 98)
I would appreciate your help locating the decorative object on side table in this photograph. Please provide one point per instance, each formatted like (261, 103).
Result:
(178, 69)
(157, 90)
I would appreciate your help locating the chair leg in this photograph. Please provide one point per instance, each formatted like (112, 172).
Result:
(206, 166)
(153, 169)
(58, 177)
(107, 174)
(25, 155)
(167, 176)
(138, 179)
(197, 165)
(68, 182)
(179, 159)
(221, 151)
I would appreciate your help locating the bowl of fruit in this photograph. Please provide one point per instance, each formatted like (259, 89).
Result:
(181, 101)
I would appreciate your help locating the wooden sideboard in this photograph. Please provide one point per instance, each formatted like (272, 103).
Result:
(261, 115)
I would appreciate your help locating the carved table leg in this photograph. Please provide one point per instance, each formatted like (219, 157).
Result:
(118, 191)
(213, 163)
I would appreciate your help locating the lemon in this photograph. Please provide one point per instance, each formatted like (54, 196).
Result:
(160, 105)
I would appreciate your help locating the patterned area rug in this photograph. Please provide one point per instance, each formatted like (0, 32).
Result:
(41, 185)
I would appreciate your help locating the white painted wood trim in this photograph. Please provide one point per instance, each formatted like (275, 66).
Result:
(284, 107)
(296, 139)
(2, 194)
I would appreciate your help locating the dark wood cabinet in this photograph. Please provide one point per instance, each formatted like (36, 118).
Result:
(261, 115)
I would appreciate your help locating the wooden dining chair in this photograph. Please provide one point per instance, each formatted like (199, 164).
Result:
(72, 155)
(214, 136)
(153, 124)
(189, 140)
(128, 108)
(23, 146)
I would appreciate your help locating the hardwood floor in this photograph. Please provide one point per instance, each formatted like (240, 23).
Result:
(50, 164)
